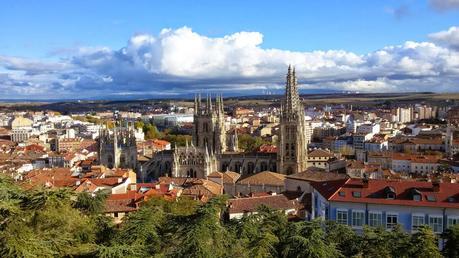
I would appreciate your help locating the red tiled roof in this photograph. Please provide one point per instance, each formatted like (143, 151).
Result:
(250, 204)
(121, 205)
(264, 178)
(317, 176)
(267, 148)
(328, 188)
(111, 181)
(320, 153)
(446, 197)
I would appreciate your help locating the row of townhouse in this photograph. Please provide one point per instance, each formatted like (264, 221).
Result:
(386, 203)
(416, 144)
(414, 164)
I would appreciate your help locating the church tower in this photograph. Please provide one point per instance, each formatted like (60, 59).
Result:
(209, 125)
(292, 146)
(117, 147)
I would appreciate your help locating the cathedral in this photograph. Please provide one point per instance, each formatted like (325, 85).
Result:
(117, 147)
(213, 148)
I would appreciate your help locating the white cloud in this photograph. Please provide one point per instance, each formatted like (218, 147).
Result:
(449, 37)
(444, 5)
(183, 61)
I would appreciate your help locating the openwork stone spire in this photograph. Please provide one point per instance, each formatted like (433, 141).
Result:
(292, 145)
(291, 103)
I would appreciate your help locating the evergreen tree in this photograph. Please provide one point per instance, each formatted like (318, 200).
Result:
(424, 243)
(451, 237)
(345, 239)
(307, 239)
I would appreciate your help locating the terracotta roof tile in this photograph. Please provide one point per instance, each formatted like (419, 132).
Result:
(250, 204)
(447, 196)
(264, 178)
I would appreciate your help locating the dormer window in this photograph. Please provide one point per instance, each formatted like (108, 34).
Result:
(390, 193)
(390, 196)
(356, 194)
(342, 194)
(416, 194)
(431, 198)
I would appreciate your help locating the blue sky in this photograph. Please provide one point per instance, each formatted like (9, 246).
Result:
(59, 34)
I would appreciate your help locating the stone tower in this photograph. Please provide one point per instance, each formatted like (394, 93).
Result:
(117, 147)
(209, 125)
(292, 146)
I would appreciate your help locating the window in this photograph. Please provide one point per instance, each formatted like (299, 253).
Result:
(417, 220)
(391, 220)
(417, 197)
(374, 219)
(341, 216)
(356, 194)
(342, 194)
(436, 223)
(358, 218)
(452, 221)
(431, 198)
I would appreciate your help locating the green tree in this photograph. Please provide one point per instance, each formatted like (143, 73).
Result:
(399, 242)
(375, 243)
(451, 236)
(151, 132)
(47, 226)
(91, 204)
(178, 139)
(139, 124)
(201, 234)
(424, 243)
(308, 239)
(344, 237)
(141, 229)
(250, 143)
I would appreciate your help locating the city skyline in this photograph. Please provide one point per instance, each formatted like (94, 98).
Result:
(82, 50)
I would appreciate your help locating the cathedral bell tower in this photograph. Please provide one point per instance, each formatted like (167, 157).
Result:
(209, 125)
(292, 152)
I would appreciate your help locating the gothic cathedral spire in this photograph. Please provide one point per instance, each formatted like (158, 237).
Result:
(292, 145)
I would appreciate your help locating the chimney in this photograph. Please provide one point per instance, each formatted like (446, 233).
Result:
(365, 181)
(436, 185)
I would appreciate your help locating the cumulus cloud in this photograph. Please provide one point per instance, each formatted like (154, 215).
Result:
(178, 61)
(444, 5)
(449, 37)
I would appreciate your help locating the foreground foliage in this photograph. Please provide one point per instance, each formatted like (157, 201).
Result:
(60, 223)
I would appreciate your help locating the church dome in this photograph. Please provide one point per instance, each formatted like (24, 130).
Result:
(21, 121)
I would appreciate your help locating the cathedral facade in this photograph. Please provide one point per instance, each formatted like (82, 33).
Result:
(214, 149)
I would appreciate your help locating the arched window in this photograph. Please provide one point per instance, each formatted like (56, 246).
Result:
(237, 167)
(225, 166)
(110, 161)
(167, 167)
(191, 173)
(263, 166)
(250, 167)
